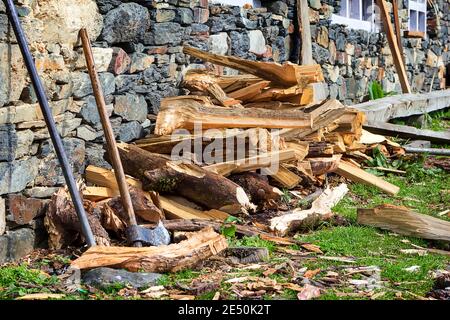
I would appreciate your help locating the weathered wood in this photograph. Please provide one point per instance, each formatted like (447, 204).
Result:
(396, 54)
(406, 222)
(320, 149)
(300, 148)
(356, 174)
(320, 210)
(171, 258)
(398, 35)
(247, 93)
(285, 75)
(408, 132)
(321, 166)
(62, 223)
(176, 114)
(305, 32)
(188, 180)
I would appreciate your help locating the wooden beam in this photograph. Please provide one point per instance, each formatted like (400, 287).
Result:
(305, 32)
(407, 132)
(356, 174)
(176, 114)
(286, 75)
(397, 28)
(406, 222)
(395, 50)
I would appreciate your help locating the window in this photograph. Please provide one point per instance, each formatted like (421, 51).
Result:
(357, 14)
(240, 3)
(417, 15)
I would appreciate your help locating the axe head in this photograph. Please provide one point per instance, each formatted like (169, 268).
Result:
(157, 236)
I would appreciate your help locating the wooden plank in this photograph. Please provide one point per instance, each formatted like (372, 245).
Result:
(407, 132)
(396, 54)
(247, 93)
(305, 32)
(358, 175)
(414, 34)
(170, 258)
(176, 114)
(286, 75)
(406, 222)
(99, 193)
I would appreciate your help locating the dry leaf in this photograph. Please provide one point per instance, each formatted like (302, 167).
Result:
(311, 273)
(309, 292)
(41, 296)
(216, 296)
(181, 297)
(293, 286)
(312, 247)
(269, 272)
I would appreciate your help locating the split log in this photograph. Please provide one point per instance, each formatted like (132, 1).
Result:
(274, 105)
(286, 178)
(320, 149)
(258, 188)
(320, 210)
(185, 113)
(173, 208)
(170, 258)
(300, 148)
(247, 93)
(321, 166)
(188, 180)
(406, 222)
(356, 174)
(285, 75)
(191, 225)
(248, 164)
(63, 225)
(337, 140)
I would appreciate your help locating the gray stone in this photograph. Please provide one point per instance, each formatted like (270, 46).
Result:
(279, 7)
(240, 43)
(219, 43)
(320, 54)
(315, 4)
(130, 131)
(24, 141)
(82, 86)
(167, 33)
(164, 15)
(95, 155)
(131, 107)
(184, 16)
(2, 217)
(86, 132)
(8, 142)
(21, 242)
(16, 175)
(89, 112)
(140, 62)
(40, 192)
(105, 277)
(257, 42)
(158, 236)
(126, 23)
(13, 74)
(4, 25)
(4, 241)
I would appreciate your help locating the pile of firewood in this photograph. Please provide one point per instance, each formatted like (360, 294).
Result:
(170, 179)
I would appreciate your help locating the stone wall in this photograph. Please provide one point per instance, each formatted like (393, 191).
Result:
(138, 52)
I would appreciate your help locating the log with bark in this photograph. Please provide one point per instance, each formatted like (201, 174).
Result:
(258, 188)
(320, 210)
(63, 225)
(170, 258)
(178, 113)
(406, 222)
(159, 174)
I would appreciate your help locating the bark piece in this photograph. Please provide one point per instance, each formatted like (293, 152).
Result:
(406, 222)
(170, 258)
(321, 166)
(258, 188)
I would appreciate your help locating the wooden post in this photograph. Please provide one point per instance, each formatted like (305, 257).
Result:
(305, 32)
(109, 134)
(397, 27)
(395, 50)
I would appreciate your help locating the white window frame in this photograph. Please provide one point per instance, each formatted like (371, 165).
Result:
(353, 23)
(418, 6)
(239, 3)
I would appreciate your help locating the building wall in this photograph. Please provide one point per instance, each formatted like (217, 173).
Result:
(138, 50)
